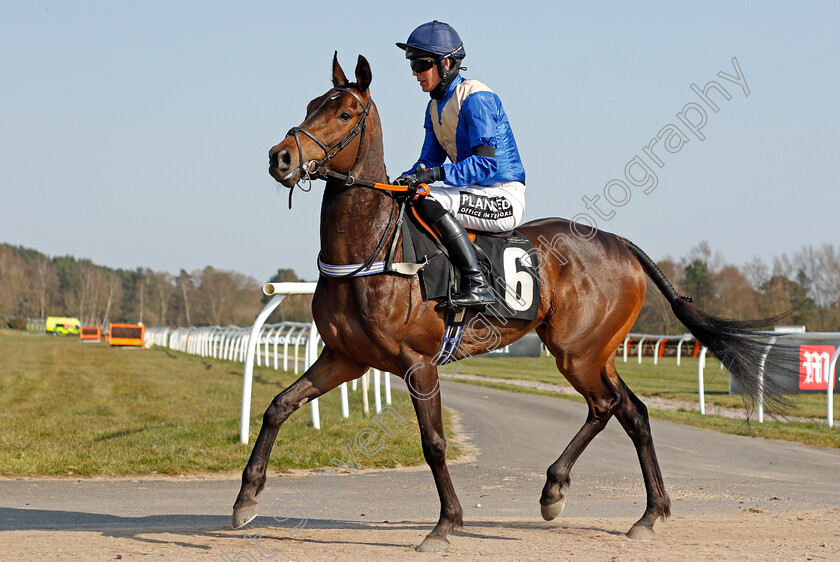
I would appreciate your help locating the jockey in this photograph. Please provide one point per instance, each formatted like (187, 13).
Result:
(485, 181)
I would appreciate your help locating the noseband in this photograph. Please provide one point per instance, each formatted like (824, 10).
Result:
(314, 167)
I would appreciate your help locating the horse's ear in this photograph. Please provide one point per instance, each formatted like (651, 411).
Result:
(363, 73)
(338, 77)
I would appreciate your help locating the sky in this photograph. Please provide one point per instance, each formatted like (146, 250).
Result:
(136, 134)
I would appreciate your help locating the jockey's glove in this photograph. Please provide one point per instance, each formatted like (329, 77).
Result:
(421, 175)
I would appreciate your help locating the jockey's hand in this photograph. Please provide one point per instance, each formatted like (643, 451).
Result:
(402, 180)
(421, 175)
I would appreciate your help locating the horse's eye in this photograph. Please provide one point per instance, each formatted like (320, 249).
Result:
(345, 116)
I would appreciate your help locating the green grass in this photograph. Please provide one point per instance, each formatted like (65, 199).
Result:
(815, 434)
(68, 408)
(666, 380)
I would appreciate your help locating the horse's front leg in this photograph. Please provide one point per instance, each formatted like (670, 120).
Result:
(329, 371)
(425, 394)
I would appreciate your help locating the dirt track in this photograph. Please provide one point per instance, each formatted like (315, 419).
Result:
(744, 536)
(733, 498)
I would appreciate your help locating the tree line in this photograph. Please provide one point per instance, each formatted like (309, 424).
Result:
(33, 285)
(807, 283)
(805, 286)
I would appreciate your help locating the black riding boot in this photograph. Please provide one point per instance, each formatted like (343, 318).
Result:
(474, 291)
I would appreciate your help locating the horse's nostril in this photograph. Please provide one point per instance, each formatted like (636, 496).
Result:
(280, 159)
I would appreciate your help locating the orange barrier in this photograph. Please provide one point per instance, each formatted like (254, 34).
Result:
(90, 333)
(127, 334)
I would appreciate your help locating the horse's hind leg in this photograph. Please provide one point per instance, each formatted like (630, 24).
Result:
(329, 371)
(607, 396)
(633, 416)
(602, 404)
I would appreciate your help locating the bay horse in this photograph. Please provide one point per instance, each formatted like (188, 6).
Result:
(592, 293)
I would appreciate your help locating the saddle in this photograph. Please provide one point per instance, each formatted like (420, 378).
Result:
(505, 258)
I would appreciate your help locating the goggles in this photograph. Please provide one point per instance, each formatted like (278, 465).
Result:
(422, 65)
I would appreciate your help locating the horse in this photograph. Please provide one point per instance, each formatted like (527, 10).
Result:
(593, 289)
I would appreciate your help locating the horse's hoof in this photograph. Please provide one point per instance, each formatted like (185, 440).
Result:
(244, 514)
(550, 512)
(433, 544)
(640, 533)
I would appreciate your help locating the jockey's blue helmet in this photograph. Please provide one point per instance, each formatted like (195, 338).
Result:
(434, 39)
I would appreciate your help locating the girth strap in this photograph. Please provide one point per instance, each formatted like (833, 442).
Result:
(376, 268)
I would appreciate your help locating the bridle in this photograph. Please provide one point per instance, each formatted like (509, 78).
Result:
(314, 168)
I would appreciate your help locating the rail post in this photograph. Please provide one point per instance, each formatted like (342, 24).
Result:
(656, 351)
(248, 377)
(278, 291)
(761, 379)
(830, 391)
(310, 356)
(345, 401)
(701, 390)
(679, 346)
(377, 391)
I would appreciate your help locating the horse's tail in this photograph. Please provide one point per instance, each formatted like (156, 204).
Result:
(740, 345)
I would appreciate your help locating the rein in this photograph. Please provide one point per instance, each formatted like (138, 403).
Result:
(393, 191)
(398, 194)
(350, 181)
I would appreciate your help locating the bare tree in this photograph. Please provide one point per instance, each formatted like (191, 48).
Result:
(783, 267)
(186, 284)
(113, 287)
(12, 281)
(14, 278)
(827, 284)
(703, 252)
(142, 295)
(226, 297)
(43, 283)
(756, 272)
(163, 290)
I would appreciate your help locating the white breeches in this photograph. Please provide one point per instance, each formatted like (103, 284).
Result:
(494, 208)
